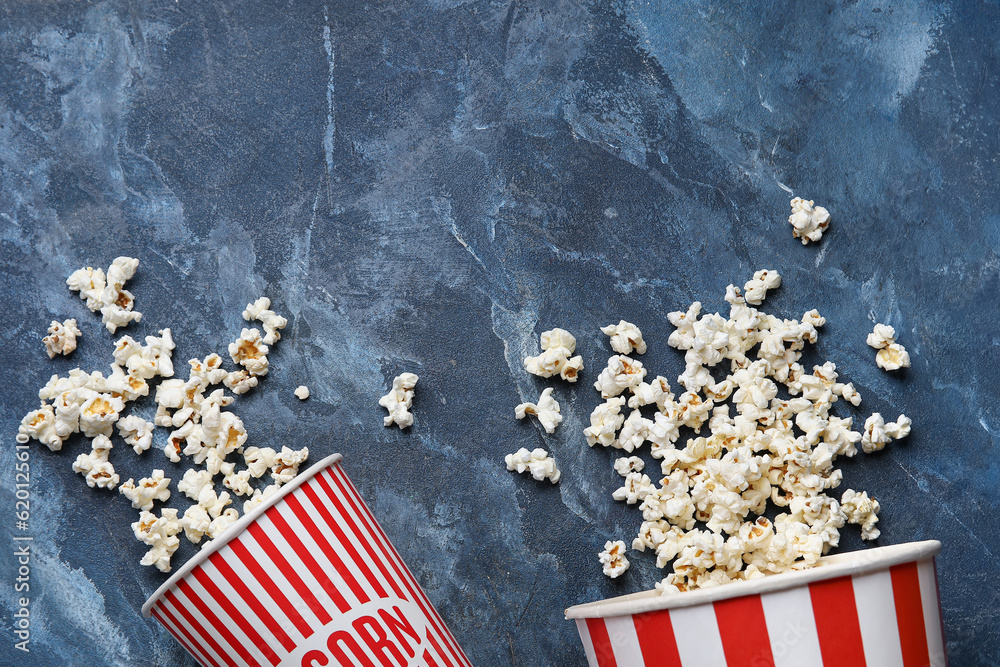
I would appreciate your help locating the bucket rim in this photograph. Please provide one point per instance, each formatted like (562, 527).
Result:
(237, 528)
(829, 567)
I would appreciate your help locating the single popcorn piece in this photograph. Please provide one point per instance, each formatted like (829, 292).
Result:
(95, 466)
(546, 410)
(537, 462)
(258, 460)
(613, 559)
(556, 358)
(605, 421)
(136, 432)
(755, 290)
(625, 338)
(160, 533)
(250, 351)
(286, 464)
(302, 392)
(272, 322)
(620, 374)
(399, 400)
(627, 464)
(240, 382)
(900, 428)
(259, 496)
(195, 523)
(106, 292)
(882, 336)
(863, 511)
(194, 482)
(891, 355)
(808, 221)
(148, 490)
(42, 425)
(222, 522)
(62, 338)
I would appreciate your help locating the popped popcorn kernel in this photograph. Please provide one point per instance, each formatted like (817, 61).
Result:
(625, 338)
(399, 400)
(863, 511)
(62, 338)
(302, 392)
(556, 358)
(537, 462)
(613, 560)
(148, 490)
(272, 322)
(250, 351)
(808, 221)
(546, 410)
(106, 293)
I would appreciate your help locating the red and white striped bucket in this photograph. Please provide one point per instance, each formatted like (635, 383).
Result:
(308, 579)
(877, 607)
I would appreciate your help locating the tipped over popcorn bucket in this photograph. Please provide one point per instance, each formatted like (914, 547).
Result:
(877, 607)
(309, 579)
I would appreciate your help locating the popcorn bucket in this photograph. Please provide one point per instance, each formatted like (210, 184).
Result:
(877, 607)
(309, 579)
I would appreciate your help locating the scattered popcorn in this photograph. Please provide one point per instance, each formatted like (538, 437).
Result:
(240, 382)
(272, 322)
(221, 522)
(150, 489)
(546, 410)
(756, 289)
(898, 429)
(613, 559)
(195, 523)
(95, 466)
(302, 392)
(286, 464)
(808, 221)
(259, 497)
(106, 292)
(61, 339)
(399, 400)
(627, 464)
(625, 338)
(193, 482)
(605, 421)
(620, 374)
(250, 352)
(537, 462)
(136, 432)
(258, 460)
(891, 355)
(556, 358)
(160, 533)
(863, 511)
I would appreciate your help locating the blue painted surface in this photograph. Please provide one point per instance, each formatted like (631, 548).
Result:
(426, 186)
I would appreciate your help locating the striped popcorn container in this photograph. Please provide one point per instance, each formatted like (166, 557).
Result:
(877, 607)
(307, 578)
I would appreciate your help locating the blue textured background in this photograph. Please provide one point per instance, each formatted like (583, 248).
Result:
(428, 185)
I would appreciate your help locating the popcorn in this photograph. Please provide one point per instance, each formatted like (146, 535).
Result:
(95, 466)
(874, 438)
(302, 392)
(195, 523)
(635, 489)
(61, 339)
(399, 400)
(899, 428)
(150, 489)
(259, 460)
(194, 482)
(41, 425)
(613, 559)
(625, 465)
(863, 511)
(99, 414)
(259, 497)
(136, 432)
(537, 462)
(808, 221)
(272, 322)
(222, 522)
(106, 292)
(620, 374)
(160, 533)
(756, 289)
(557, 347)
(239, 483)
(625, 338)
(250, 352)
(891, 355)
(605, 421)
(240, 382)
(286, 464)
(546, 410)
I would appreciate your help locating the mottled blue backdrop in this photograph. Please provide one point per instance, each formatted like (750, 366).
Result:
(426, 185)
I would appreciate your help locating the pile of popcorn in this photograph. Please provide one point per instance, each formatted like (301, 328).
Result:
(200, 427)
(704, 517)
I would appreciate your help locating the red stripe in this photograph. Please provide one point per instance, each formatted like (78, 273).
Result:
(361, 536)
(260, 576)
(656, 638)
(601, 642)
(837, 622)
(744, 631)
(178, 631)
(251, 599)
(307, 559)
(219, 625)
(431, 613)
(241, 622)
(344, 540)
(435, 618)
(327, 548)
(910, 615)
(437, 648)
(286, 569)
(429, 659)
(198, 629)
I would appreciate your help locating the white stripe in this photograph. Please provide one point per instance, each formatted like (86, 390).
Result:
(175, 631)
(791, 627)
(696, 631)
(932, 612)
(588, 643)
(392, 555)
(877, 618)
(230, 623)
(280, 581)
(242, 606)
(319, 553)
(624, 640)
(207, 649)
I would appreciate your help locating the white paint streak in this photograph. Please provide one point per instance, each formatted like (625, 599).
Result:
(330, 120)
